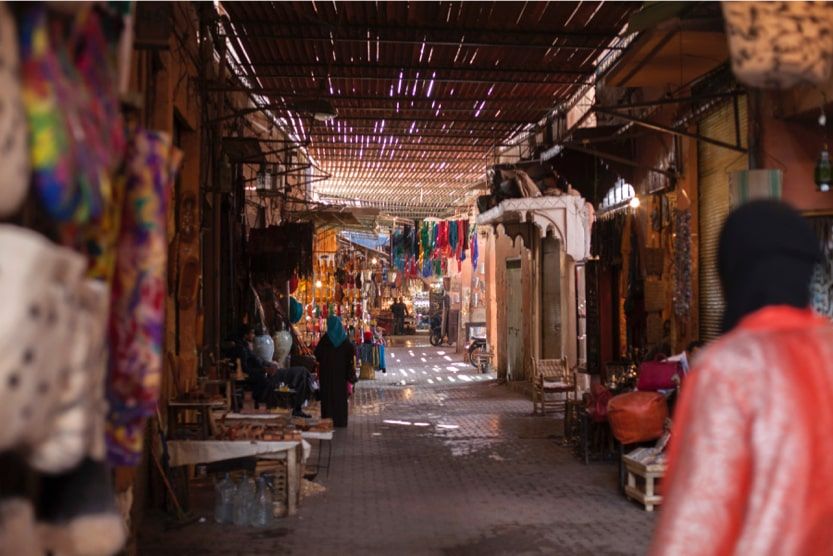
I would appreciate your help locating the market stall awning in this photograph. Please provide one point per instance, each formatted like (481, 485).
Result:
(567, 217)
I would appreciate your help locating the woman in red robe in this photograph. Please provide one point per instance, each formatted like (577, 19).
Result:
(751, 459)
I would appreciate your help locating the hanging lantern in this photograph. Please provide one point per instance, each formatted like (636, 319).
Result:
(264, 177)
(823, 173)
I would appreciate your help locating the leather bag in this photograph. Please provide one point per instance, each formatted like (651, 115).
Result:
(637, 416)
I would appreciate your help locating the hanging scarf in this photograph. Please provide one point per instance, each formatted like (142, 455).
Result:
(474, 250)
(335, 331)
(452, 235)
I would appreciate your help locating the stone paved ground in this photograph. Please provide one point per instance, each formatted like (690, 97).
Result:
(447, 463)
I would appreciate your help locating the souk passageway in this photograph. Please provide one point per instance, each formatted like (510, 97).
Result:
(450, 462)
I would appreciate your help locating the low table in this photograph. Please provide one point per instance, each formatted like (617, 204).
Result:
(648, 472)
(192, 452)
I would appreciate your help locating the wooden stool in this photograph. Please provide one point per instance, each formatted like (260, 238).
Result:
(191, 420)
(643, 491)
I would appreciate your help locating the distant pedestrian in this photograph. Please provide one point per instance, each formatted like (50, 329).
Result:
(751, 456)
(336, 359)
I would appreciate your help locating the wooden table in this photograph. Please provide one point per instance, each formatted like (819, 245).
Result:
(192, 452)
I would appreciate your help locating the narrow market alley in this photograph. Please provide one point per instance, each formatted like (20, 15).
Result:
(449, 463)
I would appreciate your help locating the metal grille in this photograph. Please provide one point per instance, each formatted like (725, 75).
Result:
(715, 164)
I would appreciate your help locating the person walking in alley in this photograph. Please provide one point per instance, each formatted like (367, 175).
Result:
(751, 457)
(399, 311)
(335, 355)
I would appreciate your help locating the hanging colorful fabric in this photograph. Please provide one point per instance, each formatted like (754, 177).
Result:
(52, 168)
(137, 312)
(452, 235)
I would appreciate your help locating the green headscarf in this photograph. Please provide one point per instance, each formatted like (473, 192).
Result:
(296, 310)
(335, 330)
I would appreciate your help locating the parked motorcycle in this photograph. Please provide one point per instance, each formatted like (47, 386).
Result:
(476, 347)
(437, 337)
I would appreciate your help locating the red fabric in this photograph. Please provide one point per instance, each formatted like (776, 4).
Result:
(637, 416)
(658, 375)
(751, 456)
(368, 336)
(597, 407)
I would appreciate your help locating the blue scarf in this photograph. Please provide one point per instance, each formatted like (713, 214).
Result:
(335, 331)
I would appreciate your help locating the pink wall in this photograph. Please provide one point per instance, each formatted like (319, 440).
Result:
(793, 146)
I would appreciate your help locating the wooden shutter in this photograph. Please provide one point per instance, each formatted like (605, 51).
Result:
(714, 165)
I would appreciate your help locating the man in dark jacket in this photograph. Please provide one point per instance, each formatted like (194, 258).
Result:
(266, 377)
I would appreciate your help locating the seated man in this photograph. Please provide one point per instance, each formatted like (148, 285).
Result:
(686, 356)
(265, 376)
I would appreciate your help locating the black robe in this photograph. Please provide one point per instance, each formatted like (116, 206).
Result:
(336, 369)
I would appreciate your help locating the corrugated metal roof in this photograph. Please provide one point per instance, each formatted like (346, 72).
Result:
(425, 91)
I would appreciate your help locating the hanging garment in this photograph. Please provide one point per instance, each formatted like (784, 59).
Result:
(452, 236)
(15, 155)
(51, 154)
(137, 311)
(38, 286)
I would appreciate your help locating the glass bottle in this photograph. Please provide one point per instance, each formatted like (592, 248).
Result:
(262, 515)
(243, 501)
(224, 492)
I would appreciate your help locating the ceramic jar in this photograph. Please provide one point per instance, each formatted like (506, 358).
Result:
(264, 347)
(283, 344)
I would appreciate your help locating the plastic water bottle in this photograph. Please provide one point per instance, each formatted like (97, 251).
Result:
(243, 501)
(262, 516)
(223, 500)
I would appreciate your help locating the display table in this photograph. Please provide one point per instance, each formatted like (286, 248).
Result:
(320, 436)
(192, 452)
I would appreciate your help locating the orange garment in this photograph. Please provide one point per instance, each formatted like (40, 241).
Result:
(751, 459)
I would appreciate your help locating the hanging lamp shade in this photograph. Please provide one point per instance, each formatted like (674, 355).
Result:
(777, 45)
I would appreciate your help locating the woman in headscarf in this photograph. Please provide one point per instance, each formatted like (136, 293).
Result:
(335, 355)
(751, 457)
